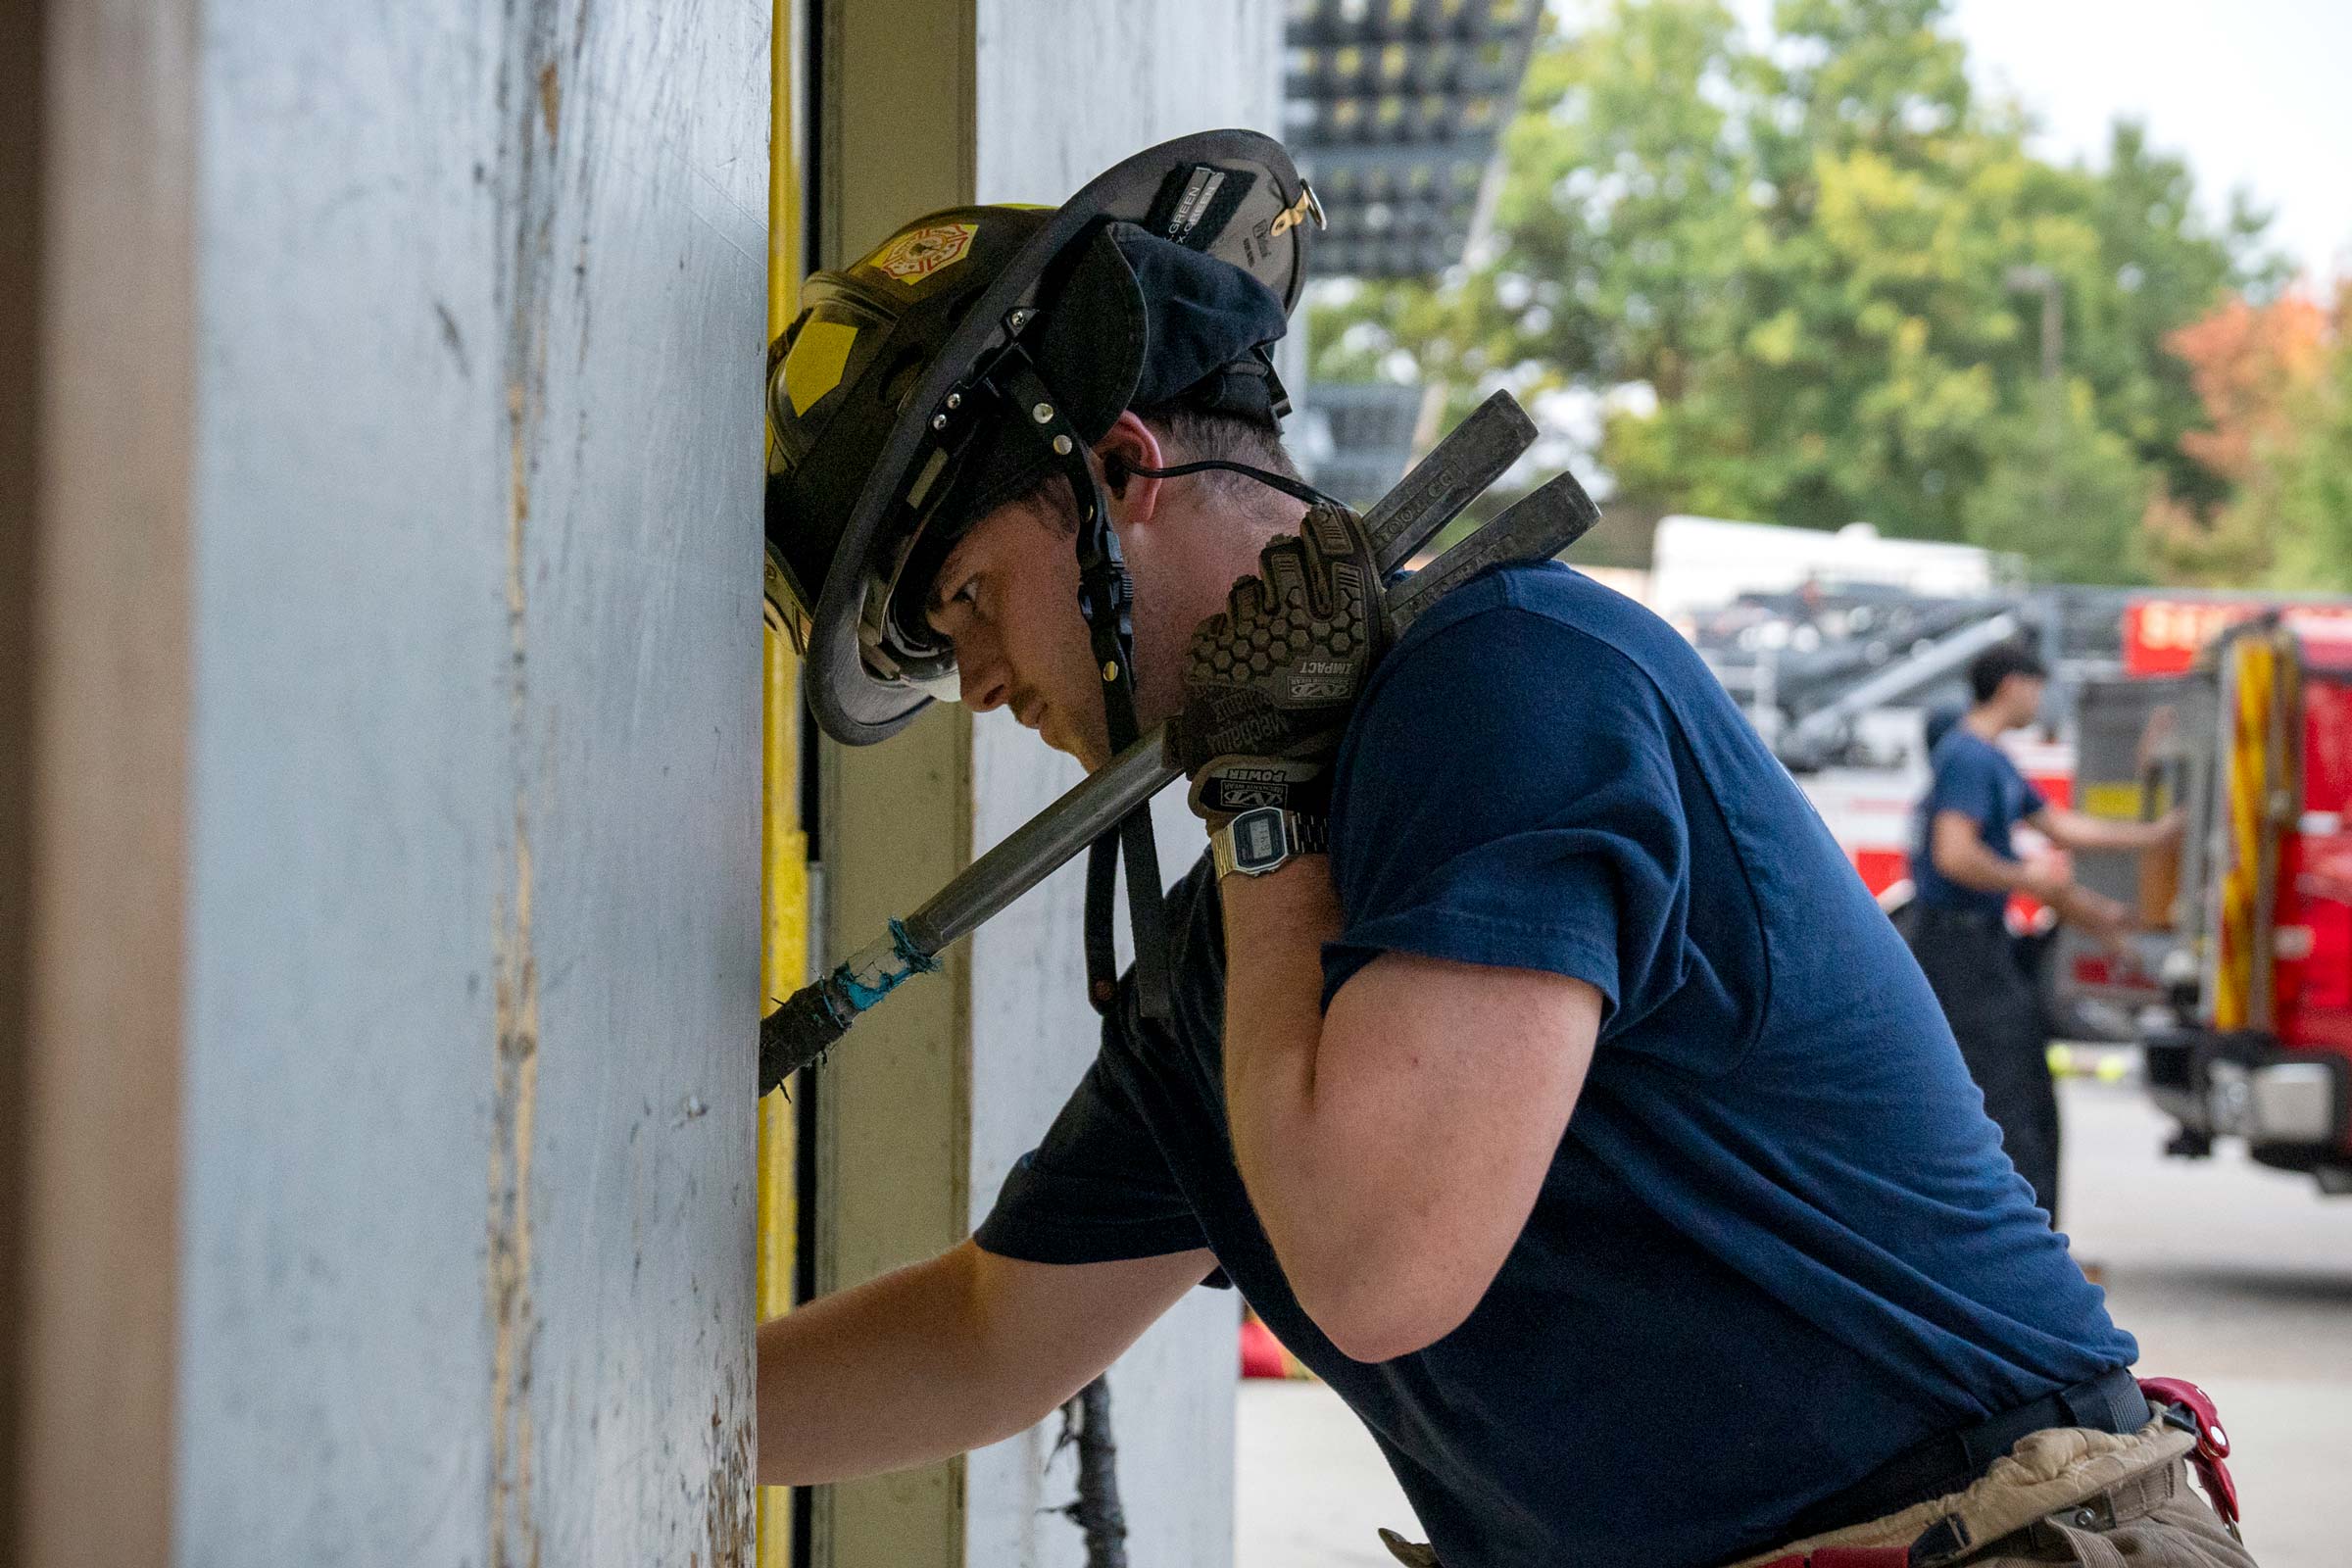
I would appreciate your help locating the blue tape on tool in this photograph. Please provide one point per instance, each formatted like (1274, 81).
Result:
(866, 977)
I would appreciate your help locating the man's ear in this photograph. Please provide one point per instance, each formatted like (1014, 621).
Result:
(1131, 444)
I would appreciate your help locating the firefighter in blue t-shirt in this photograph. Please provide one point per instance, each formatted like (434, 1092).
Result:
(1532, 1059)
(1964, 869)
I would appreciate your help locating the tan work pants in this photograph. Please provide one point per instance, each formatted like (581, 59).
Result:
(2065, 1495)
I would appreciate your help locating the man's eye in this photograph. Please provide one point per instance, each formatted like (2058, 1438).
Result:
(966, 595)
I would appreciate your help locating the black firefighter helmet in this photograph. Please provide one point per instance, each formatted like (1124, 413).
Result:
(966, 356)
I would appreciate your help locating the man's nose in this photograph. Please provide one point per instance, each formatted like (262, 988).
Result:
(985, 683)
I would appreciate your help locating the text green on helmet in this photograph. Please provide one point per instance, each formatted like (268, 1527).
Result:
(978, 351)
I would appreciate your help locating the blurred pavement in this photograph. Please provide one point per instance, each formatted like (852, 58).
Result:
(2233, 1276)
(2240, 1279)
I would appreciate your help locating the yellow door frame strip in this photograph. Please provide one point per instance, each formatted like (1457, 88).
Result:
(783, 843)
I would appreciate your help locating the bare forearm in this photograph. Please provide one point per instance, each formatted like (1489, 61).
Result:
(1392, 1148)
(944, 1356)
(888, 1375)
(1315, 1132)
(2074, 830)
(1979, 868)
(1962, 857)
(1275, 928)
(1958, 849)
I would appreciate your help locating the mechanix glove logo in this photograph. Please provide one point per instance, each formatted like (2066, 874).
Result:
(1231, 785)
(1273, 678)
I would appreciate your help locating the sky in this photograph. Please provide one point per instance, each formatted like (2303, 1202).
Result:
(2254, 93)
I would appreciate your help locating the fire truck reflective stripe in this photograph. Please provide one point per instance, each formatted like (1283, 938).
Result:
(2250, 686)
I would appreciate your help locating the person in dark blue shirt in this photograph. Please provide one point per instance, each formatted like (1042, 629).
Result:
(1964, 869)
(1536, 1065)
(1775, 1185)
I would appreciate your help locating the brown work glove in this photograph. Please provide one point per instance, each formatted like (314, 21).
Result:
(1273, 678)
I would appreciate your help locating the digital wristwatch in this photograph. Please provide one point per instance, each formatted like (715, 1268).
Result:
(1265, 839)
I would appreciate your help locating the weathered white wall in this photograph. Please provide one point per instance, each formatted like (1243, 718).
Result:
(474, 911)
(1066, 88)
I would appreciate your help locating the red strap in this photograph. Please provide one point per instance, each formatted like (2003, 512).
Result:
(2212, 1440)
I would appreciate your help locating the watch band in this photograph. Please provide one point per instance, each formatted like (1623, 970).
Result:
(1265, 839)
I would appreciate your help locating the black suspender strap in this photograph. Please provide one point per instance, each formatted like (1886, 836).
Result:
(1107, 599)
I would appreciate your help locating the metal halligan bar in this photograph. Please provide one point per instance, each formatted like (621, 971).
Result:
(1537, 527)
(1456, 471)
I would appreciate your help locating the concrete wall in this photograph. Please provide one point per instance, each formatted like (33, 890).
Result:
(474, 901)
(1065, 88)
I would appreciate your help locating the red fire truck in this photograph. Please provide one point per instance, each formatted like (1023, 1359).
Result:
(2240, 984)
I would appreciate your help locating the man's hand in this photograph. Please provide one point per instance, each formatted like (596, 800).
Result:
(1273, 678)
(2094, 914)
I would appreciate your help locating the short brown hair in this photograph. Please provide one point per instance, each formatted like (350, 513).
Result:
(1199, 434)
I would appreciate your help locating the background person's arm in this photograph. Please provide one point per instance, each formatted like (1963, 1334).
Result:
(2074, 830)
(1957, 846)
(946, 1356)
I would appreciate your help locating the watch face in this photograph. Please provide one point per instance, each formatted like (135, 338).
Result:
(1259, 842)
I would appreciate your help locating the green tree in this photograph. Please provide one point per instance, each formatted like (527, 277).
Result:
(2065, 494)
(2165, 269)
(1798, 257)
(1623, 189)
